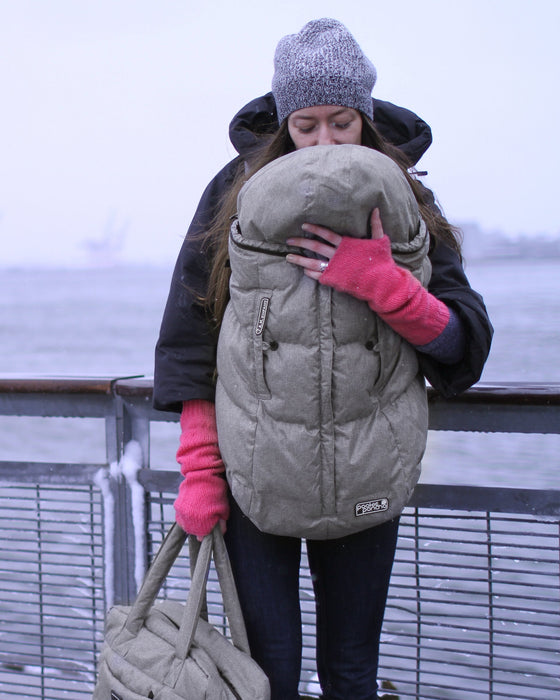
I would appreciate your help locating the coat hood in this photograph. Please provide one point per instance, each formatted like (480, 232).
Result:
(398, 125)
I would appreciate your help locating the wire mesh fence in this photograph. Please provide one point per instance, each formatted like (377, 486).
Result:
(473, 613)
(474, 607)
(474, 603)
(52, 598)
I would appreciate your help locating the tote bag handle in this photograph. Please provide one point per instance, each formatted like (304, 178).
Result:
(214, 542)
(158, 571)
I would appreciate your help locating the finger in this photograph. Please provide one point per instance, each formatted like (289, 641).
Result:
(312, 267)
(314, 274)
(327, 251)
(302, 261)
(376, 225)
(325, 233)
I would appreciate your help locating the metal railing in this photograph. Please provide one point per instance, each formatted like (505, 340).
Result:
(474, 606)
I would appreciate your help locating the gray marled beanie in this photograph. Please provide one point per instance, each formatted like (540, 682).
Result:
(322, 65)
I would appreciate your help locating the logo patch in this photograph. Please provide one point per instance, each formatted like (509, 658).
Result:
(369, 507)
(263, 313)
(114, 696)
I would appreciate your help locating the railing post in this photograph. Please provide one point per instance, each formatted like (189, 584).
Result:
(122, 546)
(136, 429)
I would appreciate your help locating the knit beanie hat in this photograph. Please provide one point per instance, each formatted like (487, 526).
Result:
(322, 65)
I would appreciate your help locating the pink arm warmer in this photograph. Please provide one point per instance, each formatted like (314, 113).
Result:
(203, 495)
(365, 269)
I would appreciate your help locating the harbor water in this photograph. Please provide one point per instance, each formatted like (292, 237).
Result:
(105, 322)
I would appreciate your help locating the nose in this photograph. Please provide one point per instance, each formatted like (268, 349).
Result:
(325, 136)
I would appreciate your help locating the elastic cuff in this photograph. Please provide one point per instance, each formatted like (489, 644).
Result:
(449, 346)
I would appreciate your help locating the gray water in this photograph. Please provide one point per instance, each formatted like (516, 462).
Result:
(105, 322)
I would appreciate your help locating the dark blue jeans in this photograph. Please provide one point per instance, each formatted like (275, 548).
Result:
(350, 578)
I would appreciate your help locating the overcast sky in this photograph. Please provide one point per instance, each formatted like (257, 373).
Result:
(115, 112)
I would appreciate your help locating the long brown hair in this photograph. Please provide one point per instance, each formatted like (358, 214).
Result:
(280, 144)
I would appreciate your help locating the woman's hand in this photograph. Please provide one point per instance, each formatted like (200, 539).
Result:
(223, 528)
(365, 269)
(202, 501)
(311, 266)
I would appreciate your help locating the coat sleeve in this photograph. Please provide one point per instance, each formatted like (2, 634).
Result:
(450, 284)
(185, 355)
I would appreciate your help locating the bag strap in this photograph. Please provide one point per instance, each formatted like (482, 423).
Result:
(160, 567)
(197, 595)
(195, 599)
(230, 598)
(157, 573)
(194, 549)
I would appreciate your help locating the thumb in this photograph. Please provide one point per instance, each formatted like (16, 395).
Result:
(376, 225)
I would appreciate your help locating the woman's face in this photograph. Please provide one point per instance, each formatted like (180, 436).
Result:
(325, 125)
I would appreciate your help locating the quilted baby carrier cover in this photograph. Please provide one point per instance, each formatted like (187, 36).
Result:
(322, 413)
(168, 651)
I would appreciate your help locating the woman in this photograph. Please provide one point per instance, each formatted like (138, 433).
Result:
(321, 95)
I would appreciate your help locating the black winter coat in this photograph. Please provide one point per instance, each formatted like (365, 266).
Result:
(185, 358)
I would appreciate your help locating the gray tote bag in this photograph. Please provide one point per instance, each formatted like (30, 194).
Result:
(168, 651)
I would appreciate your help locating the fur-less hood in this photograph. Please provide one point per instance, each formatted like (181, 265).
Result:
(321, 410)
(398, 125)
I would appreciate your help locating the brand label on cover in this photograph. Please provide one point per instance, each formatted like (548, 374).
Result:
(369, 507)
(263, 313)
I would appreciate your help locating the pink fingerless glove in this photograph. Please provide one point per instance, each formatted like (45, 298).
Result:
(203, 495)
(365, 269)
